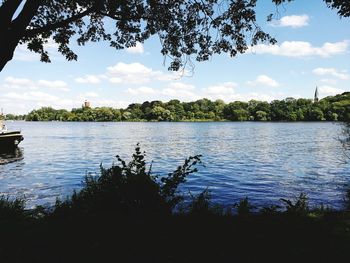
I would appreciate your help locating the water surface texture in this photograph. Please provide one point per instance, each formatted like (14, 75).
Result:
(264, 161)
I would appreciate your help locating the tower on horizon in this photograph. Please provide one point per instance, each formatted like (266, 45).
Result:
(87, 104)
(316, 95)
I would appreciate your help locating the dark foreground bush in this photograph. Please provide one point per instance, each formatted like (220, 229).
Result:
(347, 199)
(12, 209)
(129, 188)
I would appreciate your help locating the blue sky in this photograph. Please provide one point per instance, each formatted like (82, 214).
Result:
(313, 49)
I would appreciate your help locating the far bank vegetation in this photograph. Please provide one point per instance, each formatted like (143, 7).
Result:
(331, 108)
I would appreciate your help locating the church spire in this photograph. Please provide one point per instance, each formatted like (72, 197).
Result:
(316, 95)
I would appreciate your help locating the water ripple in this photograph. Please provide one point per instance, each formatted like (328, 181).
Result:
(265, 161)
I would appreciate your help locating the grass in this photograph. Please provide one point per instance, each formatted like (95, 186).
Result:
(178, 238)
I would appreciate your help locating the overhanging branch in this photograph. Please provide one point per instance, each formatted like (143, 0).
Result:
(60, 24)
(26, 15)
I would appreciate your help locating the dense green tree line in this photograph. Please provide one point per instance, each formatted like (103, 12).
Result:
(332, 108)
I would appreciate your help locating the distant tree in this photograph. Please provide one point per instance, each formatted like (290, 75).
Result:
(185, 28)
(126, 116)
(261, 116)
(236, 111)
(218, 108)
(35, 117)
(278, 110)
(136, 111)
(158, 113)
(240, 115)
(333, 117)
(316, 114)
(12, 117)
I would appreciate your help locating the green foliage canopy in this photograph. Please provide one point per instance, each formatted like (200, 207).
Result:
(185, 28)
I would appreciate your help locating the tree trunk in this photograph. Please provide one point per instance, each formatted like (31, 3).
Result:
(12, 30)
(7, 43)
(7, 48)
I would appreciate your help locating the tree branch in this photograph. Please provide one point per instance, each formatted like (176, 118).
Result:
(29, 10)
(115, 17)
(63, 23)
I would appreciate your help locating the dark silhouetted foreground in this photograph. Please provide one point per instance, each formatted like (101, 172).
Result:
(128, 214)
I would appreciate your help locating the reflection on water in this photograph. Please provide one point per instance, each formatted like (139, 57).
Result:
(265, 161)
(11, 156)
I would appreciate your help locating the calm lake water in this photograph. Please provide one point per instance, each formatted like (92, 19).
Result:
(264, 161)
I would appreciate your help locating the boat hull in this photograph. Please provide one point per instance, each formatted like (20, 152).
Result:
(10, 140)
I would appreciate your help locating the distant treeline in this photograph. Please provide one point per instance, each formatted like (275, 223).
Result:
(332, 108)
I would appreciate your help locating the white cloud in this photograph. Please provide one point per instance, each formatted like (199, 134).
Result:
(329, 81)
(31, 96)
(115, 80)
(18, 81)
(222, 90)
(88, 79)
(258, 96)
(294, 21)
(138, 49)
(331, 71)
(264, 80)
(226, 92)
(301, 49)
(181, 91)
(180, 85)
(89, 95)
(182, 94)
(24, 100)
(135, 73)
(27, 84)
(128, 73)
(129, 69)
(328, 90)
(55, 84)
(141, 91)
(187, 92)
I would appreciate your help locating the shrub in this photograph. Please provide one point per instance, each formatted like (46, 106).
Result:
(12, 209)
(347, 200)
(244, 207)
(200, 204)
(129, 188)
(270, 210)
(299, 207)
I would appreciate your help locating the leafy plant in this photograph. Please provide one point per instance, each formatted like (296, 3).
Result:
(244, 207)
(299, 207)
(12, 209)
(347, 200)
(200, 203)
(270, 210)
(169, 186)
(129, 188)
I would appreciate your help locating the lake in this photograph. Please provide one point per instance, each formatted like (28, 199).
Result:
(264, 161)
